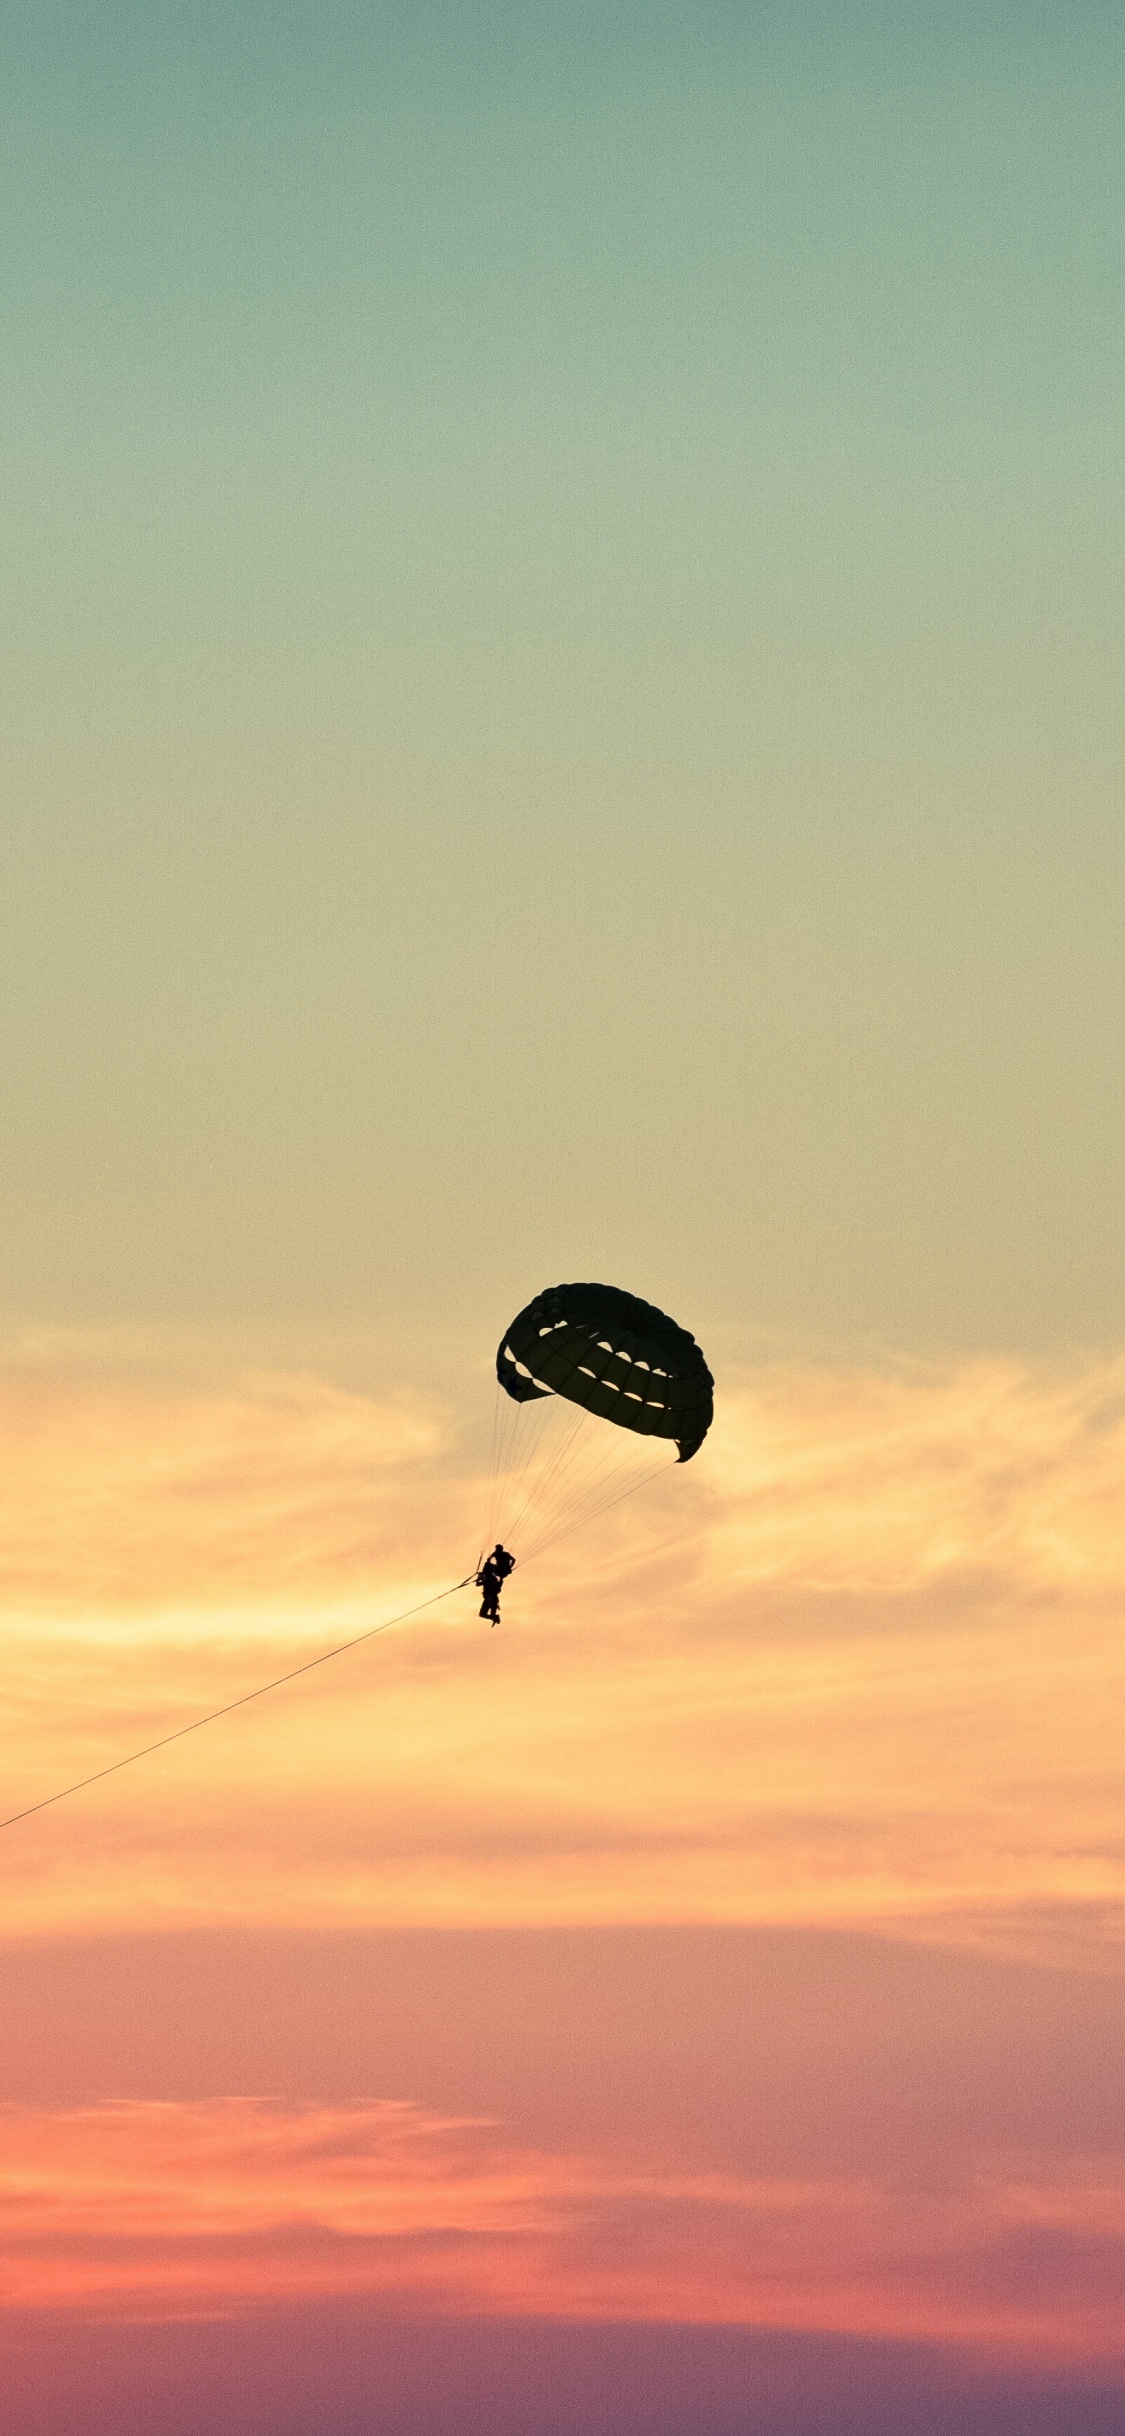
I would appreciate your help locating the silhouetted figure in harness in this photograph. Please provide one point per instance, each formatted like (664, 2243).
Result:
(491, 1579)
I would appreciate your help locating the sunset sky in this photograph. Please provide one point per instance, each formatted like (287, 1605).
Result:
(562, 640)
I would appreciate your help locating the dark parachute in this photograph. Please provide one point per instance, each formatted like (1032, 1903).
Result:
(614, 1355)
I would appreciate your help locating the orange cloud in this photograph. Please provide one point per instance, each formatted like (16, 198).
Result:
(122, 1496)
(890, 1480)
(125, 1493)
(861, 1661)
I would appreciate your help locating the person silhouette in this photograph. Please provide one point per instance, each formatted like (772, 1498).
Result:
(491, 1579)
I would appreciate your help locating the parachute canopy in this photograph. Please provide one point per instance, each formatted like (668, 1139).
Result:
(614, 1355)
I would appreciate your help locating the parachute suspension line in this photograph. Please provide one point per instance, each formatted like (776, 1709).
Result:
(604, 1488)
(552, 1470)
(499, 1419)
(609, 1462)
(569, 1469)
(500, 1423)
(561, 1443)
(574, 1522)
(491, 1464)
(576, 1484)
(518, 1434)
(244, 1698)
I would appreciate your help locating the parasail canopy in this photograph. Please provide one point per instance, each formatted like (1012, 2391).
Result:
(614, 1355)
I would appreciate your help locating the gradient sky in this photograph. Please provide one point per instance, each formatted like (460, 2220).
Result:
(561, 717)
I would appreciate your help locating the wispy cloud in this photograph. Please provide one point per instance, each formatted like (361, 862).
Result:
(129, 1493)
(861, 1661)
(140, 2210)
(121, 1497)
(890, 1480)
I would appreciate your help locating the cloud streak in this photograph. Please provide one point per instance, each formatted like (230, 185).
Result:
(216, 2207)
(860, 1662)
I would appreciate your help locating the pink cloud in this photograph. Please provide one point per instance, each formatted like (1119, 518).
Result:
(149, 2210)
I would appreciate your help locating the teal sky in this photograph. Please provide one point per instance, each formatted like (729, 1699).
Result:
(562, 635)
